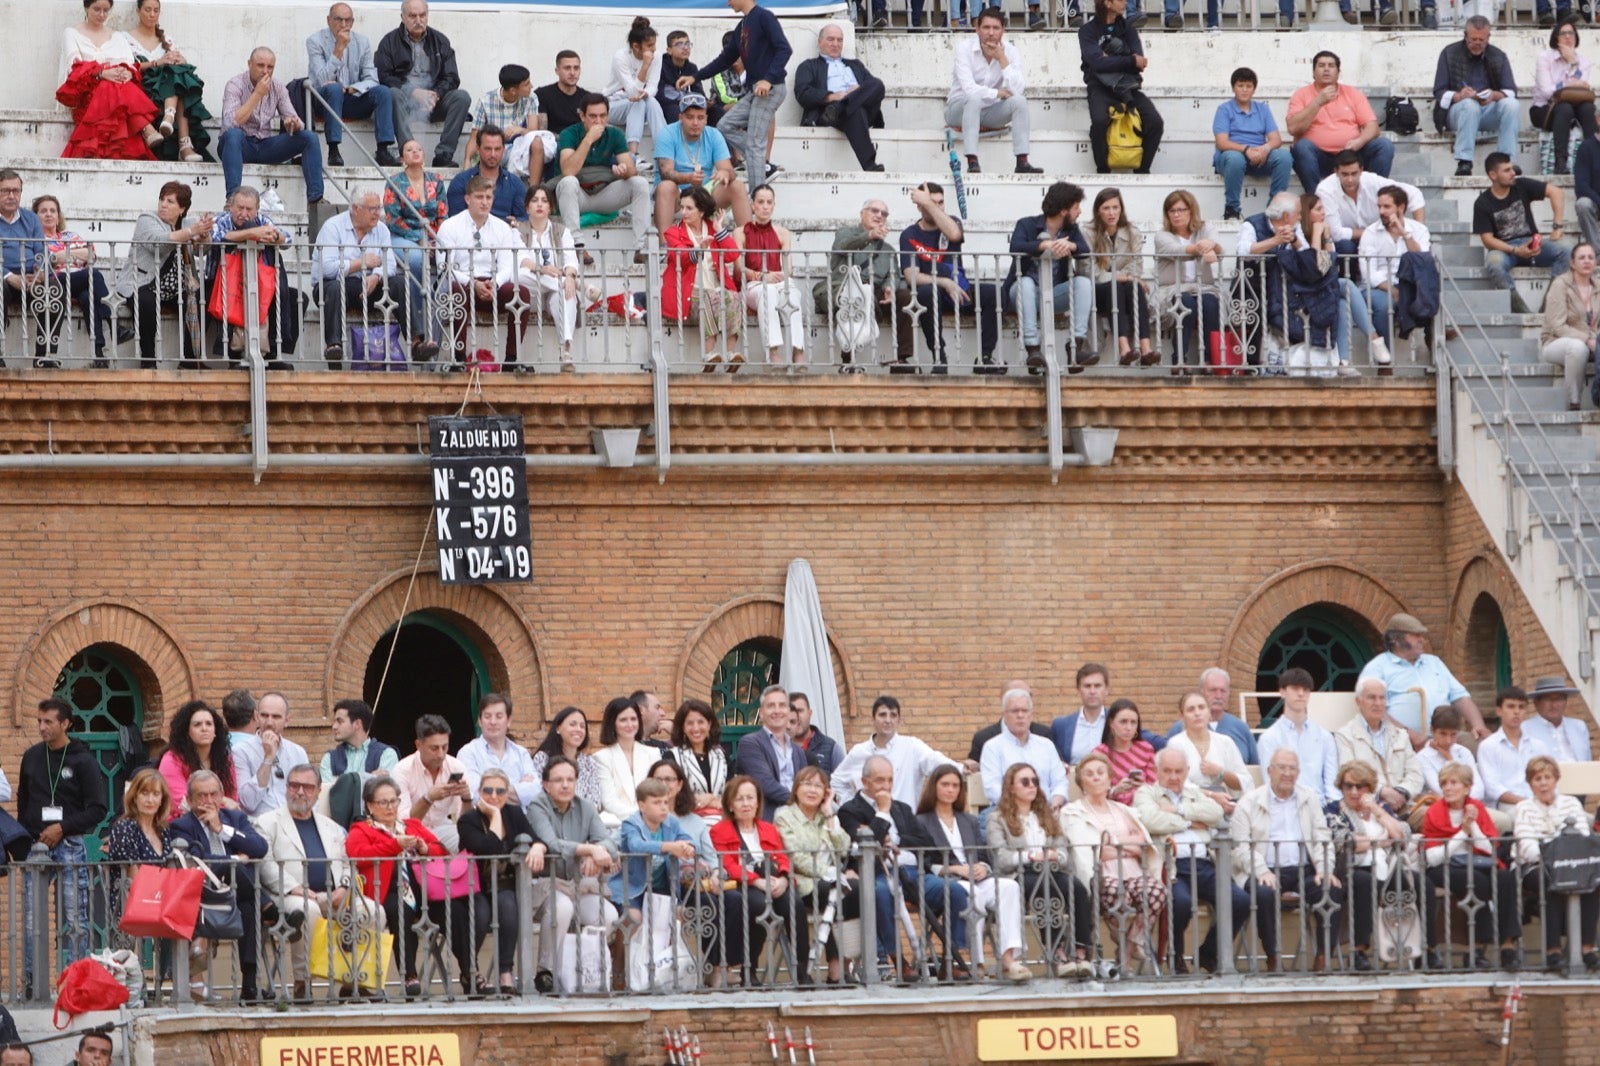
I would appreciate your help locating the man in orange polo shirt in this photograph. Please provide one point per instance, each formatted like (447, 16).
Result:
(1325, 118)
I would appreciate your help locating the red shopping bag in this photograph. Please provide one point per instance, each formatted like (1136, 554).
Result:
(1225, 352)
(162, 902)
(86, 986)
(227, 290)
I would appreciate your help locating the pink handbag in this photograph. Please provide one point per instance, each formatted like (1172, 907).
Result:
(450, 878)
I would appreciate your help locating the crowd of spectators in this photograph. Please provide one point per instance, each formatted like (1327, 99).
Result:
(666, 127)
(1115, 823)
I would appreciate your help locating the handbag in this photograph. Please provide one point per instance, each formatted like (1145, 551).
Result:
(1124, 139)
(1571, 862)
(377, 347)
(855, 324)
(351, 952)
(86, 986)
(227, 290)
(1571, 94)
(163, 901)
(450, 878)
(219, 917)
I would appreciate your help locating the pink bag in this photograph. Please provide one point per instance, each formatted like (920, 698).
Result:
(450, 878)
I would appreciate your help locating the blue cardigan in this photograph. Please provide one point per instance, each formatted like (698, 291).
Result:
(760, 42)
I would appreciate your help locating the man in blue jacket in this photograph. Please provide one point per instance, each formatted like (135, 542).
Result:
(759, 42)
(770, 754)
(217, 836)
(1053, 232)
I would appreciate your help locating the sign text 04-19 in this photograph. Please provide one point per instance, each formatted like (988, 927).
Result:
(480, 499)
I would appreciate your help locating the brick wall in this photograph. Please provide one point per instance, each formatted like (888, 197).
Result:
(1339, 1025)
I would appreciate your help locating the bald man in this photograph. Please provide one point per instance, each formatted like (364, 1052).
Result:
(251, 102)
(839, 92)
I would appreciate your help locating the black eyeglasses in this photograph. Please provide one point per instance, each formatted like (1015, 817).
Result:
(477, 238)
(1027, 780)
(487, 791)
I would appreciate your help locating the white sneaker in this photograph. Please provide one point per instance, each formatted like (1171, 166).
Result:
(1378, 352)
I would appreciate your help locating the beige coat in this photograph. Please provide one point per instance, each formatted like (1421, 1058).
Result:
(1252, 832)
(1193, 806)
(1397, 765)
(1564, 313)
(1085, 838)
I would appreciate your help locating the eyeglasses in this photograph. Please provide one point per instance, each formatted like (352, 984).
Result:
(487, 791)
(341, 18)
(394, 802)
(477, 238)
(1358, 786)
(1028, 782)
(876, 211)
(301, 786)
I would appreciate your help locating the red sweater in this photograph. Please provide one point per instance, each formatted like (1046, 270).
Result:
(1436, 827)
(367, 841)
(725, 838)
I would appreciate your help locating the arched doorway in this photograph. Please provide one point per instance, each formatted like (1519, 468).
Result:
(1327, 641)
(437, 669)
(736, 685)
(105, 695)
(1486, 667)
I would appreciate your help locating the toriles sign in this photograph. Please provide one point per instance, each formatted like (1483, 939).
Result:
(1128, 1036)
(362, 1049)
(480, 499)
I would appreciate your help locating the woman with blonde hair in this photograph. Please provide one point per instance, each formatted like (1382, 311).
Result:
(1188, 273)
(1539, 819)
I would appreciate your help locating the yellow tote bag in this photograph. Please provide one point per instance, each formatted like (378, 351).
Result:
(353, 954)
(1124, 139)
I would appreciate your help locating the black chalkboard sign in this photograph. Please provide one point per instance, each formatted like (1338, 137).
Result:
(480, 499)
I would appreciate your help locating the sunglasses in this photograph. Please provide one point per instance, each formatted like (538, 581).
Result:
(487, 791)
(1030, 781)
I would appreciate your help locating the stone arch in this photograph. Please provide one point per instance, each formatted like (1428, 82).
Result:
(482, 612)
(738, 620)
(1352, 590)
(159, 663)
(1485, 596)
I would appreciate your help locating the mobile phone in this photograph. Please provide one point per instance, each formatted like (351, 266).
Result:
(455, 778)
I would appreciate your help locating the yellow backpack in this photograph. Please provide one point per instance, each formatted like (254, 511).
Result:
(1124, 139)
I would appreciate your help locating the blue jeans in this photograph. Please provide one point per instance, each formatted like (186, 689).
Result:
(1503, 117)
(413, 263)
(1197, 879)
(1025, 296)
(1233, 167)
(1213, 18)
(375, 103)
(1203, 319)
(1552, 254)
(942, 897)
(1312, 164)
(70, 871)
(237, 149)
(1379, 301)
(1352, 308)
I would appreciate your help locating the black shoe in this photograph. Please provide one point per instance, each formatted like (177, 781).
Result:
(99, 362)
(1231, 214)
(973, 166)
(985, 364)
(333, 158)
(830, 114)
(1351, 17)
(1174, 22)
(440, 159)
(1138, 21)
(1547, 19)
(1361, 961)
(1591, 960)
(1207, 961)
(939, 368)
(1463, 168)
(1555, 961)
(1028, 168)
(879, 21)
(386, 156)
(1510, 959)
(875, 168)
(125, 333)
(279, 364)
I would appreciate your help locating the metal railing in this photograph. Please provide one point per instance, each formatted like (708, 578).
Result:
(488, 927)
(975, 320)
(956, 15)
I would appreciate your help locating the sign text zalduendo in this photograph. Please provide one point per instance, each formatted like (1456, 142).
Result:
(367, 1049)
(480, 499)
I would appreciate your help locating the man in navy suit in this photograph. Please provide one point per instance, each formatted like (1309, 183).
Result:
(838, 92)
(770, 754)
(216, 835)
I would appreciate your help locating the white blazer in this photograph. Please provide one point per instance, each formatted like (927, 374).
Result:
(284, 869)
(619, 778)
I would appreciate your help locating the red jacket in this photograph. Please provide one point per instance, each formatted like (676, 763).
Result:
(1436, 827)
(367, 841)
(725, 838)
(677, 278)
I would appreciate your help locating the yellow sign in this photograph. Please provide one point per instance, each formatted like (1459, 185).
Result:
(362, 1049)
(1132, 1036)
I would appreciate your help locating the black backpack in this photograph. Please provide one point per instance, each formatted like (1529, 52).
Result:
(1400, 115)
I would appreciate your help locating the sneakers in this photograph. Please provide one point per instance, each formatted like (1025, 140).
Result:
(1378, 352)
(985, 364)
(1231, 214)
(1016, 971)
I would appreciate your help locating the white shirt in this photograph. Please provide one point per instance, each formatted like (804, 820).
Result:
(1504, 767)
(1346, 214)
(628, 78)
(1003, 752)
(1432, 762)
(545, 250)
(477, 756)
(338, 245)
(1086, 734)
(1222, 751)
(912, 759)
(1284, 848)
(840, 76)
(247, 754)
(984, 78)
(1380, 251)
(1570, 743)
(5, 788)
(470, 251)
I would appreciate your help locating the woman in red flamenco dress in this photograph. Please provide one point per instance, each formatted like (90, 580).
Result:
(112, 117)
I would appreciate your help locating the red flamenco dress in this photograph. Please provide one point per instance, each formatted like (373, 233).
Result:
(108, 117)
